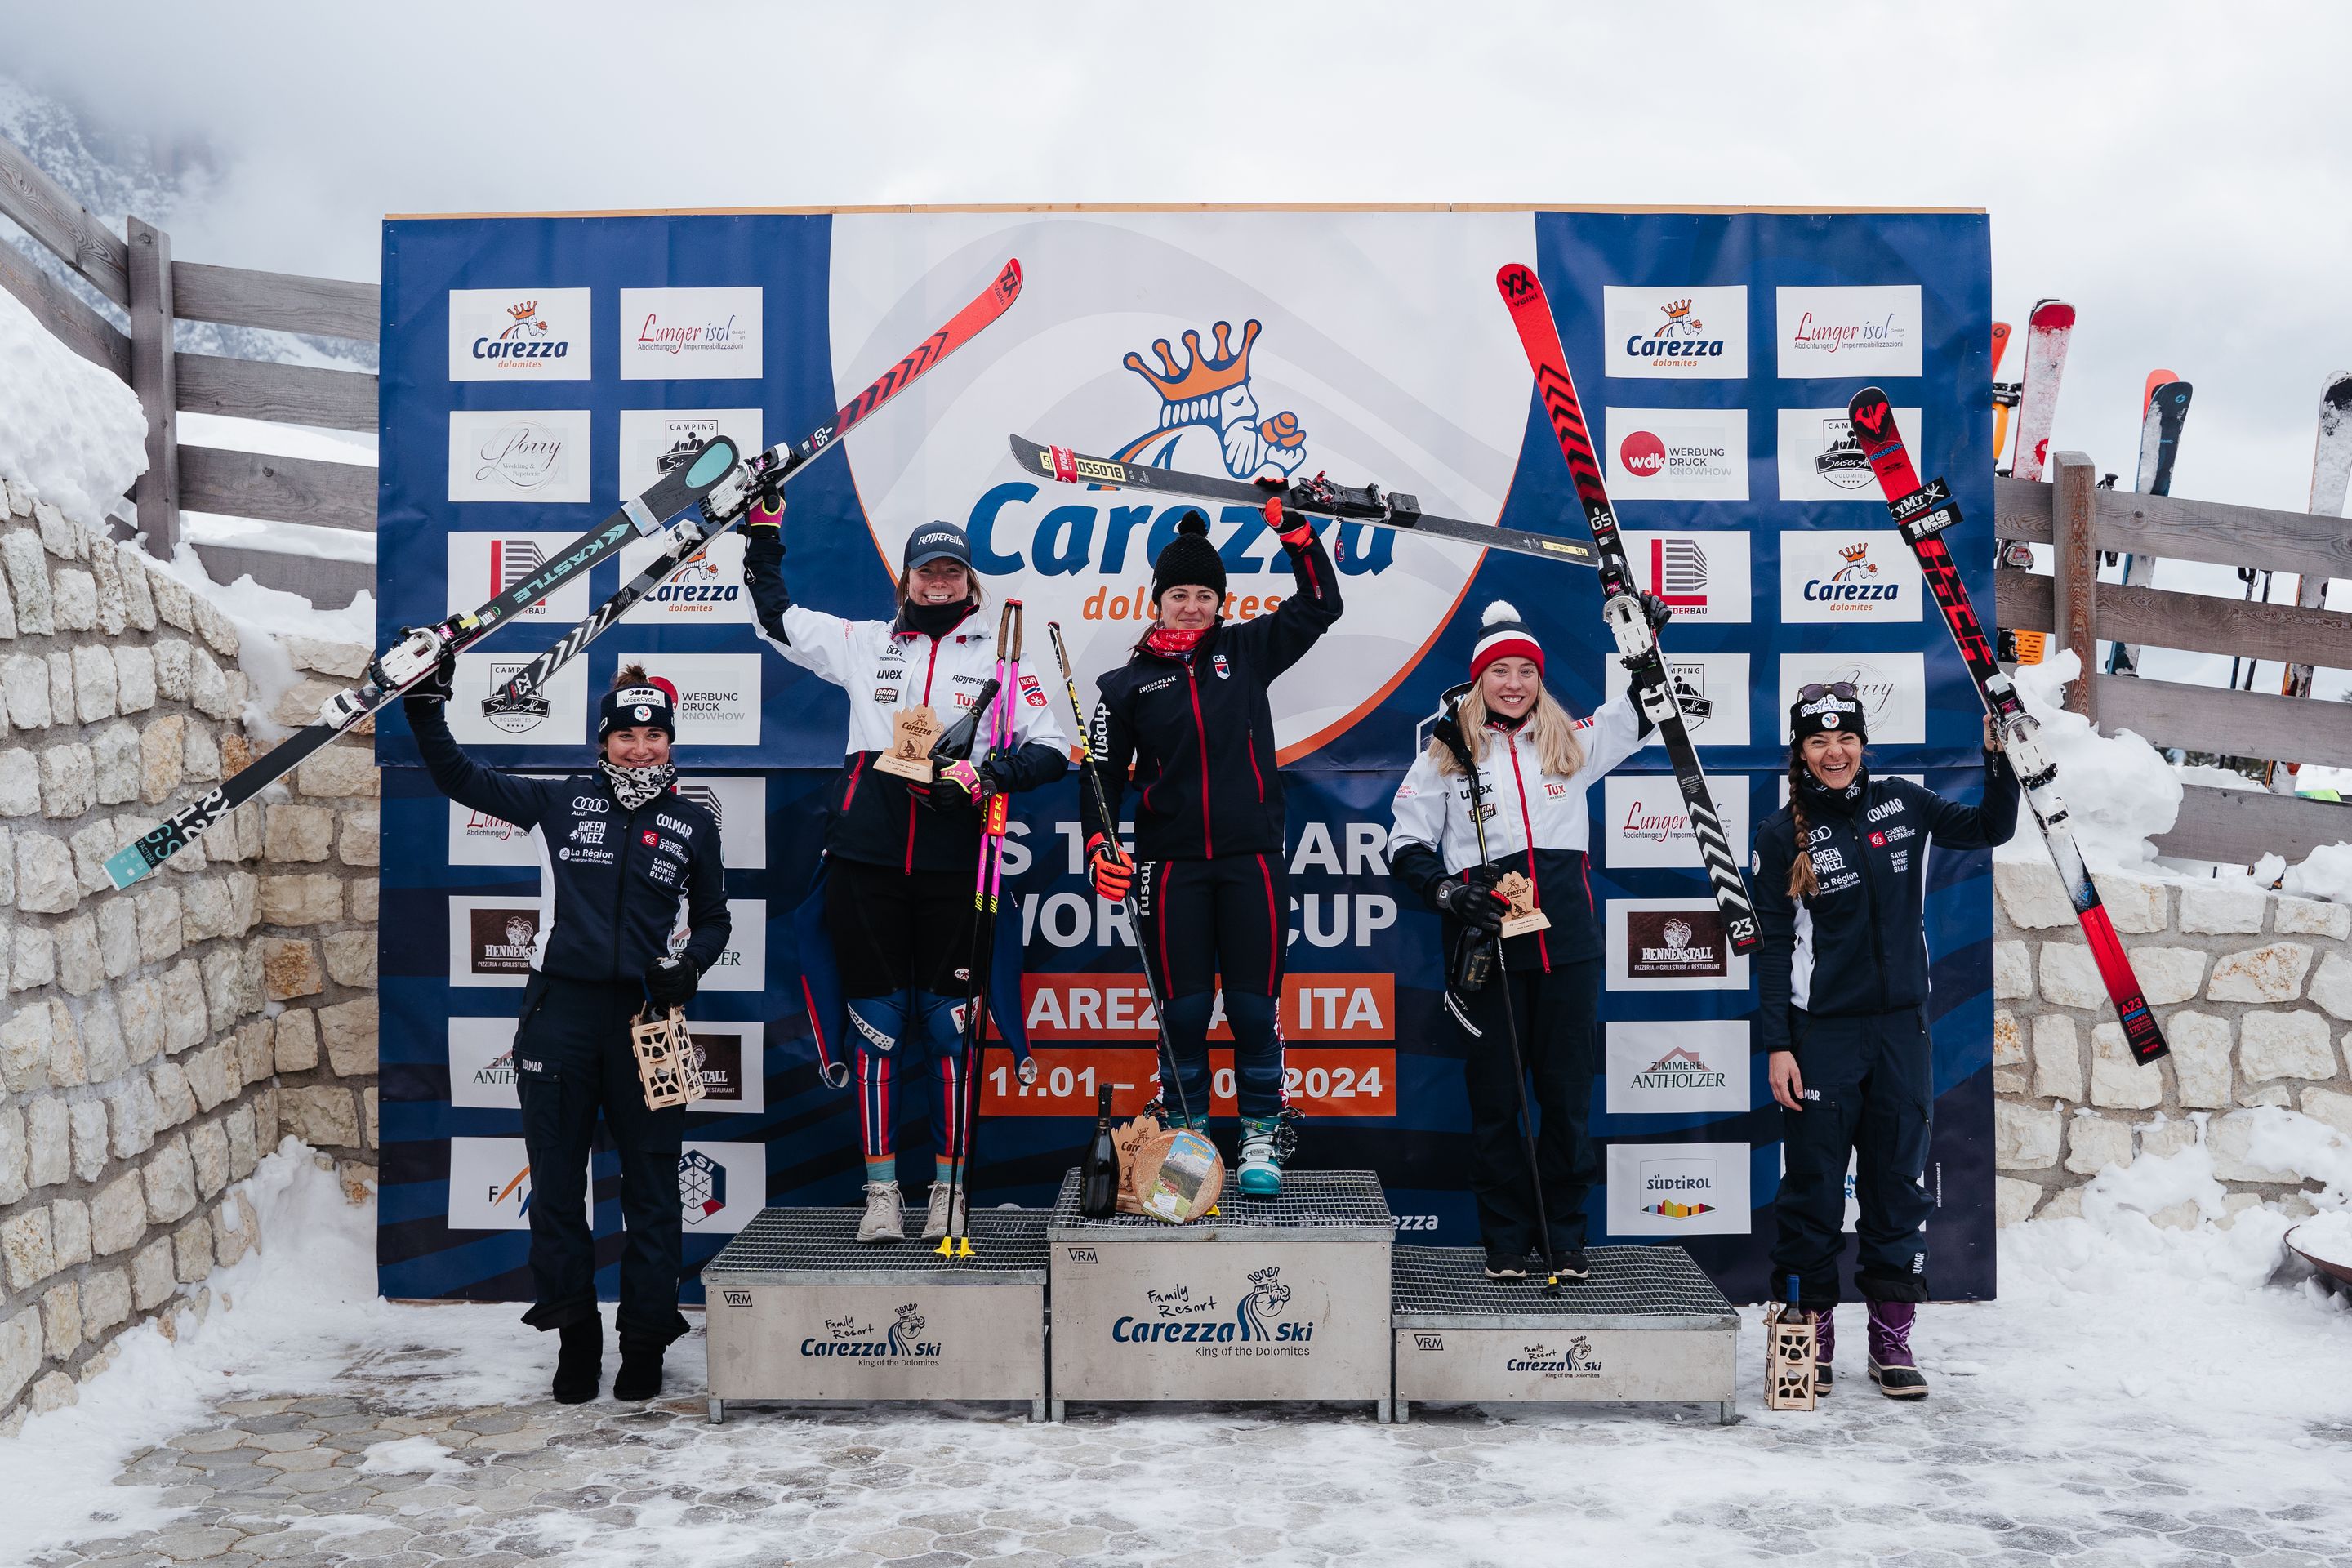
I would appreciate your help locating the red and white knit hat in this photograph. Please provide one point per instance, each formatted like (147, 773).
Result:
(1502, 635)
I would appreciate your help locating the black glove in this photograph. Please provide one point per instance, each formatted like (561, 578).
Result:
(437, 687)
(1657, 612)
(1000, 771)
(671, 982)
(1472, 902)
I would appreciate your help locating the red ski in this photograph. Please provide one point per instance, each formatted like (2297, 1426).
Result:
(1922, 512)
(2046, 335)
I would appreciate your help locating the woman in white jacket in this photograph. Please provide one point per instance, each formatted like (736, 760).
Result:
(1534, 764)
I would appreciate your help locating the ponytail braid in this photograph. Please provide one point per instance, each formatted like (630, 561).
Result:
(1801, 881)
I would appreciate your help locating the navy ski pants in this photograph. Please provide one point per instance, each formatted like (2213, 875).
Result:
(1870, 1091)
(1208, 925)
(1554, 1015)
(573, 1059)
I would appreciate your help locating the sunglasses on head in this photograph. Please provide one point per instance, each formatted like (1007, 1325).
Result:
(1813, 691)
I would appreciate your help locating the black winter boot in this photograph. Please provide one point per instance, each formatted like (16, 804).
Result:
(580, 1362)
(640, 1377)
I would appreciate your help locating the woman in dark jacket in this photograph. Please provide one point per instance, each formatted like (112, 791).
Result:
(1189, 711)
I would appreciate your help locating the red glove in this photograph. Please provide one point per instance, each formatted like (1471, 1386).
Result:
(1109, 867)
(1298, 535)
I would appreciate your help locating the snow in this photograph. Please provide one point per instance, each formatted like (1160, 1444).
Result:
(2327, 1236)
(419, 1456)
(69, 431)
(2325, 873)
(2119, 789)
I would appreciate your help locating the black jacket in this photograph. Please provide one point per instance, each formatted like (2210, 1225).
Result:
(618, 879)
(1860, 944)
(1199, 732)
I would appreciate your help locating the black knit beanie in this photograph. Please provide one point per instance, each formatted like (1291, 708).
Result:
(1189, 560)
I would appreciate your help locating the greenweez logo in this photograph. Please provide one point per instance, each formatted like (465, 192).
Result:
(1259, 1325)
(901, 1343)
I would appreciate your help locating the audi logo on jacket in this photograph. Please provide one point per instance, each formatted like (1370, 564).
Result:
(1528, 808)
(1198, 730)
(614, 883)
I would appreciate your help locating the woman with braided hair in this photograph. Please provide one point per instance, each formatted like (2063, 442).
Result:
(1839, 886)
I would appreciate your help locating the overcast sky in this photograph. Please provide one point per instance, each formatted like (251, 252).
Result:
(2178, 171)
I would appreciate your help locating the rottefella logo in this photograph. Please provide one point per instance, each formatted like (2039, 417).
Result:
(1261, 1323)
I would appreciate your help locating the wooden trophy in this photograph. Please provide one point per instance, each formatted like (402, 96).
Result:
(1127, 1141)
(1524, 916)
(1790, 1339)
(668, 1065)
(913, 732)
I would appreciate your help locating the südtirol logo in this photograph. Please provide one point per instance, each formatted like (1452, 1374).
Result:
(1261, 1322)
(1677, 1189)
(902, 1341)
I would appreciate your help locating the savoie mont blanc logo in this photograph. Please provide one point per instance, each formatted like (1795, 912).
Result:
(902, 1341)
(1260, 1319)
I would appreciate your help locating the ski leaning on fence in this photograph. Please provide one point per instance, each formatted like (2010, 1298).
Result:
(2004, 392)
(1922, 513)
(2164, 413)
(715, 478)
(2046, 335)
(767, 472)
(1317, 497)
(2331, 468)
(1653, 683)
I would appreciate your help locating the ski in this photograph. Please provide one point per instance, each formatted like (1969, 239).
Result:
(1317, 497)
(421, 650)
(1654, 685)
(1922, 513)
(2002, 403)
(2046, 334)
(2164, 412)
(2331, 468)
(770, 470)
(418, 652)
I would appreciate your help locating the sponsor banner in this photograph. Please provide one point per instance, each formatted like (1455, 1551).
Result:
(1678, 1189)
(491, 939)
(1702, 573)
(537, 456)
(734, 1078)
(556, 715)
(1118, 1006)
(1678, 1067)
(1863, 575)
(690, 334)
(520, 334)
(1644, 824)
(1325, 1080)
(740, 804)
(707, 589)
(489, 1184)
(478, 839)
(655, 441)
(1671, 944)
(1820, 457)
(1853, 333)
(482, 1064)
(1674, 334)
(1893, 688)
(484, 565)
(744, 964)
(718, 693)
(1678, 454)
(720, 1185)
(1712, 689)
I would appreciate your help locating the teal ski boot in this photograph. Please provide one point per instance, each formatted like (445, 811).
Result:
(1261, 1173)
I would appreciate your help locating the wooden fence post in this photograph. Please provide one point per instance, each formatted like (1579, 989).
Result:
(2074, 570)
(153, 378)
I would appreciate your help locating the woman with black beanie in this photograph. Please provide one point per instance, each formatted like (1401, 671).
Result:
(1189, 712)
(1840, 884)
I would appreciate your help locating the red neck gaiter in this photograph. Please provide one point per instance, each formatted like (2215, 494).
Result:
(1174, 643)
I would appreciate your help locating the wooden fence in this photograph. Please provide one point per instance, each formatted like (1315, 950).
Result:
(2078, 520)
(138, 273)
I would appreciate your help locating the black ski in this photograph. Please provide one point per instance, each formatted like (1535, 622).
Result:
(419, 651)
(2164, 413)
(1317, 497)
(1654, 686)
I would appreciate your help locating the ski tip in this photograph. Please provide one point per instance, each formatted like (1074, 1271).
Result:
(1032, 455)
(2052, 314)
(1869, 398)
(1008, 283)
(1516, 282)
(127, 865)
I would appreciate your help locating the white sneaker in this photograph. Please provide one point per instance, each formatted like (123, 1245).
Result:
(936, 1223)
(885, 1214)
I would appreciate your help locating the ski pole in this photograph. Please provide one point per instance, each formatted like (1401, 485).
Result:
(1449, 731)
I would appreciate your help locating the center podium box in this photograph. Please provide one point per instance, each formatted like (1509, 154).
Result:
(1269, 1299)
(798, 1308)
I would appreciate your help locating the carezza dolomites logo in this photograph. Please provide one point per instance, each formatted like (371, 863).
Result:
(1260, 1323)
(1865, 575)
(1675, 334)
(519, 334)
(905, 1341)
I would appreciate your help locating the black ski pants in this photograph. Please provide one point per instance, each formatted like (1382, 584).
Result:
(573, 1059)
(1870, 1091)
(1208, 925)
(1554, 1013)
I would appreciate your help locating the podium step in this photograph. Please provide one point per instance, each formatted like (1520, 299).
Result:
(1329, 1205)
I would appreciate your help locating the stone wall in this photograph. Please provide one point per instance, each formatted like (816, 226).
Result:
(156, 1042)
(2255, 992)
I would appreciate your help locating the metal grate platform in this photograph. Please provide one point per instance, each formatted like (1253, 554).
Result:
(1313, 1206)
(810, 1247)
(1631, 1287)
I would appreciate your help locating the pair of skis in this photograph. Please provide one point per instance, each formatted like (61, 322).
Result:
(716, 482)
(2164, 413)
(1651, 683)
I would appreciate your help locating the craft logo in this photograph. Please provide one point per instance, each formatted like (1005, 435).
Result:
(496, 334)
(1676, 334)
(1261, 1323)
(901, 1343)
(1670, 943)
(1679, 1069)
(688, 334)
(519, 717)
(682, 438)
(1576, 1360)
(1845, 330)
(502, 939)
(1840, 461)
(1677, 1189)
(1679, 454)
(702, 1185)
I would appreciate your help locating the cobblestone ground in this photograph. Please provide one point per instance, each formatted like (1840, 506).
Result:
(1971, 1477)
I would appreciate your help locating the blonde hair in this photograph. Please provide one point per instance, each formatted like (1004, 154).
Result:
(1558, 751)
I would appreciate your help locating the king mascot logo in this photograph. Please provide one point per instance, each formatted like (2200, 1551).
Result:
(1268, 1295)
(1211, 392)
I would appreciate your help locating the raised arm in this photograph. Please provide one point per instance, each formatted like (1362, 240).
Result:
(522, 802)
(825, 645)
(1281, 639)
(1979, 827)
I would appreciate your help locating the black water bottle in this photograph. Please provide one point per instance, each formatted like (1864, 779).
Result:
(1098, 1171)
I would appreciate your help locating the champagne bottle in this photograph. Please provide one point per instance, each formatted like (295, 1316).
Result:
(1098, 1171)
